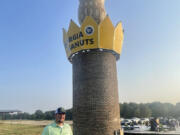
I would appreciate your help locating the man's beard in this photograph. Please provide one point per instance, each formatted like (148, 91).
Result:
(59, 121)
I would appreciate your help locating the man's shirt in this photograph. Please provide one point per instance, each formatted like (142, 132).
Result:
(54, 129)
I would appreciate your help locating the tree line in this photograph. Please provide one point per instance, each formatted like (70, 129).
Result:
(37, 115)
(155, 109)
(127, 110)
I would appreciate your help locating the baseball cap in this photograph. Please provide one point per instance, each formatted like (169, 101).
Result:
(60, 110)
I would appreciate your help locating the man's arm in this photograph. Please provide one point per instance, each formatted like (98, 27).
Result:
(68, 129)
(45, 131)
(71, 132)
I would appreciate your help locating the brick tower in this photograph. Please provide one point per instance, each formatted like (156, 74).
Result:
(93, 49)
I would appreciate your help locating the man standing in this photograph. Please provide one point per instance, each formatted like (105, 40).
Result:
(58, 127)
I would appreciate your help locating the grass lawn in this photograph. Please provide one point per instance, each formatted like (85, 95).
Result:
(20, 129)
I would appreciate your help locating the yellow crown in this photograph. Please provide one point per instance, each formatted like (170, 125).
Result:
(93, 36)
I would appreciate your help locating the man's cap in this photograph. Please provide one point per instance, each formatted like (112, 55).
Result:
(60, 110)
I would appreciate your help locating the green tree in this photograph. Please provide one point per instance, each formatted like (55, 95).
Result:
(49, 115)
(69, 114)
(145, 112)
(39, 115)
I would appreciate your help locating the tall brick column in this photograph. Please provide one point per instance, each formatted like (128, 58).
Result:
(95, 94)
(93, 49)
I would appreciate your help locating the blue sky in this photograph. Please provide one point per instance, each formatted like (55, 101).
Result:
(35, 73)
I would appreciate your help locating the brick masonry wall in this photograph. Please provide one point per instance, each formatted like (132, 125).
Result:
(95, 94)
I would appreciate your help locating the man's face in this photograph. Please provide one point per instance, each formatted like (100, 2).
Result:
(60, 118)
